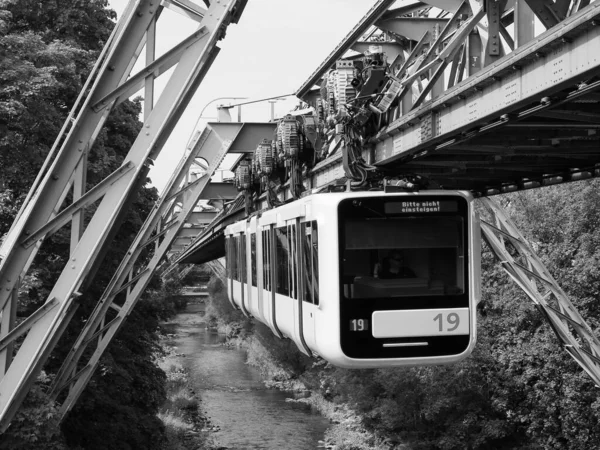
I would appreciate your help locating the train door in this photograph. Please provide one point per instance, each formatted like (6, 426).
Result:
(229, 268)
(283, 304)
(292, 267)
(243, 258)
(252, 289)
(270, 268)
(308, 276)
(236, 290)
(295, 314)
(260, 267)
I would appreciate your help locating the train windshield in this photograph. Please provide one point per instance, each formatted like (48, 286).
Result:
(393, 248)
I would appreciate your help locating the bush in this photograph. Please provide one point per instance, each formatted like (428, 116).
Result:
(36, 423)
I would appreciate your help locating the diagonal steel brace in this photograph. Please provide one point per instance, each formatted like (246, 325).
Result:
(535, 280)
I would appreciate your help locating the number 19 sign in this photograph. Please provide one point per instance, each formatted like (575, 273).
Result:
(421, 322)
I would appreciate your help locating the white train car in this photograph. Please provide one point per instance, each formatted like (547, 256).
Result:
(363, 279)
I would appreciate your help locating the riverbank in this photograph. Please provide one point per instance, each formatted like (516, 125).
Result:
(236, 409)
(186, 427)
(346, 432)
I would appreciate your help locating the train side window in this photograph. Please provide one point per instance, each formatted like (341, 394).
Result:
(306, 265)
(233, 257)
(293, 261)
(243, 268)
(315, 262)
(270, 253)
(253, 258)
(227, 257)
(281, 261)
(266, 258)
(230, 257)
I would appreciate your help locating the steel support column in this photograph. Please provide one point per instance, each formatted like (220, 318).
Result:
(47, 195)
(74, 375)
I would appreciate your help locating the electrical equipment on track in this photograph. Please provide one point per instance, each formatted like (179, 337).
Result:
(362, 279)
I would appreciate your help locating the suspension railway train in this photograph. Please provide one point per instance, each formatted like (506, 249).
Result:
(318, 271)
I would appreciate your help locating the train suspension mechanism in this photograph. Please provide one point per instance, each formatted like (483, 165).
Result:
(354, 100)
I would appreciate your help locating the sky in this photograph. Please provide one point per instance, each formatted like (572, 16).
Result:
(274, 48)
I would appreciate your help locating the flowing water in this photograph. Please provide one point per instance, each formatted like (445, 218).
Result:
(247, 414)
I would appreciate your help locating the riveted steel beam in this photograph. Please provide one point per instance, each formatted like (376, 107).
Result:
(515, 78)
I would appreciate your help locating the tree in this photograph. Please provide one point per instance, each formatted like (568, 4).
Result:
(46, 51)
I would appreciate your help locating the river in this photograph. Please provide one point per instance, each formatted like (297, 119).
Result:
(248, 415)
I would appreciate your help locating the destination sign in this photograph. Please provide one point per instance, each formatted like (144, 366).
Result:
(421, 206)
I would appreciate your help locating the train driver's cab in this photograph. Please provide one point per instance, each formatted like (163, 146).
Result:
(389, 251)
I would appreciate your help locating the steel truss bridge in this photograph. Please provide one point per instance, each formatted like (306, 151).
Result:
(494, 97)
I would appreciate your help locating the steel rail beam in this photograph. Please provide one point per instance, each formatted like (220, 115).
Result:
(560, 57)
(46, 196)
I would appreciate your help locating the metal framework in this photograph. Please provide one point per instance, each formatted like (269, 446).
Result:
(480, 101)
(527, 270)
(165, 223)
(64, 172)
(487, 102)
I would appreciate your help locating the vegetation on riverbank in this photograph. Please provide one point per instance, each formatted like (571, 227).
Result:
(185, 427)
